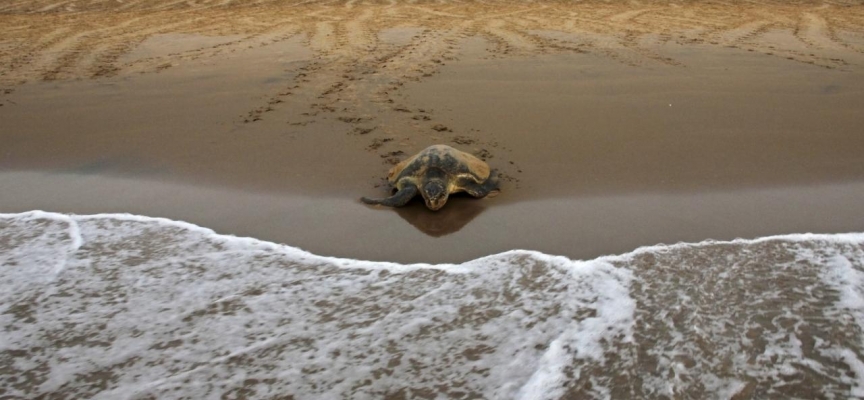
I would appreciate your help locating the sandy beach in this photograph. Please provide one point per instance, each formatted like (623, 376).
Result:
(721, 104)
(614, 125)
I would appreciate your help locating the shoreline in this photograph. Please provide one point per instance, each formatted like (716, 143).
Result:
(606, 142)
(579, 228)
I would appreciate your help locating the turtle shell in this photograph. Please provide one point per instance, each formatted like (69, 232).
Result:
(454, 162)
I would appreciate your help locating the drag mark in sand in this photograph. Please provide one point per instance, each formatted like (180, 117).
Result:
(56, 42)
(356, 78)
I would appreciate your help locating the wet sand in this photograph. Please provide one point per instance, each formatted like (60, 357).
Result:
(616, 126)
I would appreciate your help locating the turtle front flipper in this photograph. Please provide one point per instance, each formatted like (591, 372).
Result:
(480, 190)
(401, 198)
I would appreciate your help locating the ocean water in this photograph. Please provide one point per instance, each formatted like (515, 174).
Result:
(128, 307)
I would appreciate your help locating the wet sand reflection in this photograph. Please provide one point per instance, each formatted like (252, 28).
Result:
(459, 211)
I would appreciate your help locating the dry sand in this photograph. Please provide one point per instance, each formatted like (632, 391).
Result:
(616, 124)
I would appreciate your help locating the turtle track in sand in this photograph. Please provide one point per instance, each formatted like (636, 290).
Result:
(356, 73)
(49, 39)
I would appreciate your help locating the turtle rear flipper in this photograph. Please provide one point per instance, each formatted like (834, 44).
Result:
(480, 190)
(401, 198)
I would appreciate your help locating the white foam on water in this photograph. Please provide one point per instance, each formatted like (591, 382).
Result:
(38, 252)
(849, 282)
(119, 306)
(586, 337)
(760, 318)
(153, 307)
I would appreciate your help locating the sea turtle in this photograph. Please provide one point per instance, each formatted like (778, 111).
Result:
(435, 173)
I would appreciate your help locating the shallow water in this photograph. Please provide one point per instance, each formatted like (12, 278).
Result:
(123, 306)
(577, 227)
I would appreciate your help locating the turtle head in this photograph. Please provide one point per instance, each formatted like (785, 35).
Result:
(435, 194)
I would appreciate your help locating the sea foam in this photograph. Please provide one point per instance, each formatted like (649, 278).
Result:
(120, 306)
